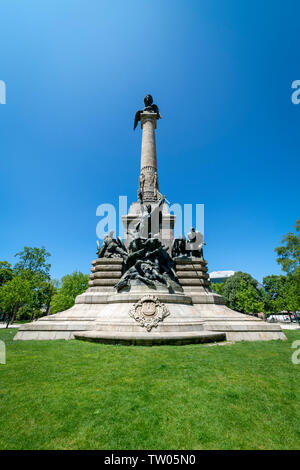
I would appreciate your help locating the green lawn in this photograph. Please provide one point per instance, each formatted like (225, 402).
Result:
(79, 395)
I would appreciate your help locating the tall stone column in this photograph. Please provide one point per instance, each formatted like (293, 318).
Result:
(148, 181)
(148, 187)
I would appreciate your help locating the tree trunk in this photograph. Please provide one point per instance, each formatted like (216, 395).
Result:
(48, 309)
(14, 315)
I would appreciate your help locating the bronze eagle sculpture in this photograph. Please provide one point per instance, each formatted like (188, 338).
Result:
(149, 107)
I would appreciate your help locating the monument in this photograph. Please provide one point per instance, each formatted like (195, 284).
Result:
(150, 288)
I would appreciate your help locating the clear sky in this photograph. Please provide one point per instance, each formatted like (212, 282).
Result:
(221, 72)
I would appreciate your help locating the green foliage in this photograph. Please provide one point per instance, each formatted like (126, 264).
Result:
(292, 292)
(42, 292)
(34, 260)
(283, 292)
(289, 253)
(71, 286)
(31, 269)
(6, 272)
(34, 268)
(249, 299)
(241, 293)
(217, 287)
(275, 293)
(280, 292)
(31, 279)
(274, 285)
(15, 295)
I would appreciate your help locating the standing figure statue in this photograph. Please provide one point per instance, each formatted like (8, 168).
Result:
(144, 225)
(149, 219)
(195, 243)
(178, 247)
(142, 181)
(141, 187)
(155, 184)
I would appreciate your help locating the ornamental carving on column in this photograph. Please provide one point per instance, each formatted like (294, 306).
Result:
(149, 311)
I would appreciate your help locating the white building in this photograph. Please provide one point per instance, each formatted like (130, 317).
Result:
(217, 277)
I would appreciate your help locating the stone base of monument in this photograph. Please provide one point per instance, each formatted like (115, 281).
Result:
(152, 339)
(145, 315)
(193, 277)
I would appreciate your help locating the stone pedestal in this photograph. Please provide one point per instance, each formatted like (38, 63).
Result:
(194, 314)
(193, 277)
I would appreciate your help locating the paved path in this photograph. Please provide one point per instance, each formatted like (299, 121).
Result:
(290, 326)
(3, 325)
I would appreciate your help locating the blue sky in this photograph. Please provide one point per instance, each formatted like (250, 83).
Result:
(220, 71)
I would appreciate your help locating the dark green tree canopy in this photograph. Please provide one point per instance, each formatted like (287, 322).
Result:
(6, 272)
(71, 285)
(31, 270)
(287, 296)
(33, 260)
(275, 293)
(289, 252)
(274, 285)
(242, 293)
(15, 295)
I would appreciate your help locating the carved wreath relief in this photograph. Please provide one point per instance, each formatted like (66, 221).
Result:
(148, 312)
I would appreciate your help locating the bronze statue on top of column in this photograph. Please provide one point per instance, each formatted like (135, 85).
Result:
(149, 107)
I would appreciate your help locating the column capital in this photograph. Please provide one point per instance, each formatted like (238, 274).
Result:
(146, 116)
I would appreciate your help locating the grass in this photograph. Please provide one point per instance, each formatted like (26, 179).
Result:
(79, 395)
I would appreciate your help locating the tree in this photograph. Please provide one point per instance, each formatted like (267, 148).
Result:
(6, 272)
(42, 293)
(71, 285)
(33, 260)
(249, 299)
(292, 292)
(14, 295)
(241, 293)
(289, 253)
(33, 272)
(218, 287)
(34, 268)
(289, 258)
(275, 293)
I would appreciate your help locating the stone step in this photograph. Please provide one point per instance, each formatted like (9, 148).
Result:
(196, 269)
(106, 275)
(191, 275)
(103, 282)
(114, 261)
(67, 324)
(94, 289)
(150, 339)
(190, 262)
(194, 282)
(107, 267)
